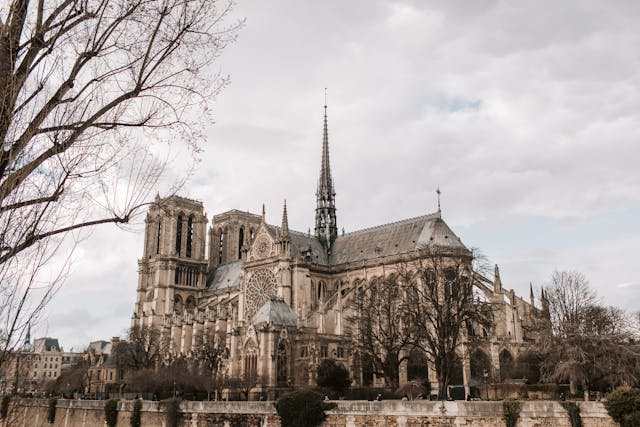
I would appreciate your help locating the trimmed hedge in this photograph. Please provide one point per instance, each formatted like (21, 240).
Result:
(111, 412)
(173, 413)
(511, 413)
(135, 419)
(574, 413)
(51, 410)
(623, 405)
(4, 406)
(302, 408)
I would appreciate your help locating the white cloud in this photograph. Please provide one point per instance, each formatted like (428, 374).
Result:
(524, 113)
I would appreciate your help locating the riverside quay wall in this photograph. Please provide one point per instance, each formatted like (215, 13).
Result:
(392, 413)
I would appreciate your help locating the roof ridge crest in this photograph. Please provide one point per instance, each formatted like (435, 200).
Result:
(389, 224)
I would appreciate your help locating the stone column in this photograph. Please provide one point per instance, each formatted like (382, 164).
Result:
(466, 374)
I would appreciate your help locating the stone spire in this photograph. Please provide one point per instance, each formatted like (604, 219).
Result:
(497, 283)
(26, 346)
(326, 229)
(285, 221)
(531, 297)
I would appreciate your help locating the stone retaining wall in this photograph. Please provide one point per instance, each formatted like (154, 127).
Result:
(392, 413)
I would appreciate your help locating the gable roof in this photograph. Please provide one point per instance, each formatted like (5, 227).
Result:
(395, 238)
(276, 312)
(225, 276)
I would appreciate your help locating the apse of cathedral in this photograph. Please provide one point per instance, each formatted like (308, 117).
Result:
(279, 298)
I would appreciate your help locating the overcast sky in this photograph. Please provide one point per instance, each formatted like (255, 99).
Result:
(525, 114)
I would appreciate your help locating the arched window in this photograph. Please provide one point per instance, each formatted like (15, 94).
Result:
(251, 363)
(417, 366)
(178, 234)
(320, 291)
(189, 236)
(177, 304)
(240, 242)
(158, 236)
(282, 365)
(220, 246)
(480, 366)
(251, 234)
(506, 364)
(190, 304)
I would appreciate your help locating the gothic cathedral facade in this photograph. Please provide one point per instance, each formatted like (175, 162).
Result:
(280, 298)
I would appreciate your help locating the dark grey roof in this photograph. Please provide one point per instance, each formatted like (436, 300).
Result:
(394, 238)
(46, 344)
(225, 276)
(276, 312)
(301, 243)
(99, 347)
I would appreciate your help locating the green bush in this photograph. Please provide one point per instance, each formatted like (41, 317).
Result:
(302, 408)
(334, 376)
(511, 413)
(631, 420)
(574, 413)
(135, 415)
(173, 412)
(51, 410)
(624, 402)
(4, 406)
(111, 412)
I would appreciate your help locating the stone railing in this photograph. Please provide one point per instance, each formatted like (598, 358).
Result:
(90, 413)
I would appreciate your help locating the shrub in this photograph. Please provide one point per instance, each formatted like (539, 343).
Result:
(631, 420)
(302, 408)
(4, 406)
(111, 412)
(623, 406)
(333, 376)
(511, 413)
(135, 415)
(173, 412)
(574, 413)
(51, 410)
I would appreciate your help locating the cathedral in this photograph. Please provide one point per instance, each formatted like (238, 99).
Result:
(280, 298)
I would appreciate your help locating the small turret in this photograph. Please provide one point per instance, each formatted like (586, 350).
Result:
(284, 239)
(531, 297)
(497, 283)
(285, 222)
(544, 301)
(26, 346)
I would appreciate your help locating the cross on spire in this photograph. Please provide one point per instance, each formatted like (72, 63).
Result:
(438, 195)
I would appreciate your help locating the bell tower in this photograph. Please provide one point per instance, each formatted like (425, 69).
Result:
(173, 265)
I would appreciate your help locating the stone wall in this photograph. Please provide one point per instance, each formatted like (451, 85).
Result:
(392, 413)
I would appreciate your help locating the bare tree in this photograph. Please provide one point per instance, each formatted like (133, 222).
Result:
(569, 295)
(380, 329)
(427, 304)
(212, 354)
(446, 309)
(145, 348)
(592, 345)
(92, 94)
(245, 382)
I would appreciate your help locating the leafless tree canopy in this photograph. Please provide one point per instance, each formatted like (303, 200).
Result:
(592, 345)
(92, 92)
(428, 305)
